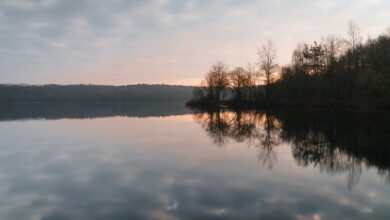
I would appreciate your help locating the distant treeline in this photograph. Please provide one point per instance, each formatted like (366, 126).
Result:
(333, 72)
(93, 93)
(53, 111)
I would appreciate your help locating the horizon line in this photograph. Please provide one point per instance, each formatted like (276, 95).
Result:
(91, 84)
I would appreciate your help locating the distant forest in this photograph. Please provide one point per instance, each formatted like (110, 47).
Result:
(53, 111)
(335, 71)
(93, 93)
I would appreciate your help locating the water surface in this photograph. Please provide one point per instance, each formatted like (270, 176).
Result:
(163, 161)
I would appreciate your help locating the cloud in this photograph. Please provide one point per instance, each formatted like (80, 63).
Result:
(29, 4)
(63, 33)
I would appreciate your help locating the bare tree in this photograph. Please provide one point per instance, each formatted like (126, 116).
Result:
(253, 76)
(241, 82)
(237, 80)
(267, 65)
(298, 56)
(251, 70)
(217, 81)
(355, 38)
(333, 48)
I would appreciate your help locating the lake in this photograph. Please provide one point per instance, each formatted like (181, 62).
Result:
(164, 161)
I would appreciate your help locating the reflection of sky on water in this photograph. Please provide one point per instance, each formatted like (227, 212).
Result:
(164, 168)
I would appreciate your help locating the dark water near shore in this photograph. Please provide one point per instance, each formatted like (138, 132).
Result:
(163, 161)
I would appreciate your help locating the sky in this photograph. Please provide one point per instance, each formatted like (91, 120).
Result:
(123, 42)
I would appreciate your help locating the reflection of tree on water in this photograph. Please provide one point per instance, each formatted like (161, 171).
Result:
(339, 142)
(316, 150)
(258, 129)
(216, 125)
(268, 140)
(335, 142)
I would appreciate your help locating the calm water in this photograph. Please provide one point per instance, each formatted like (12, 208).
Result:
(162, 161)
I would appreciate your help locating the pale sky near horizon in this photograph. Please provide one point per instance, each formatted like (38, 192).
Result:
(162, 41)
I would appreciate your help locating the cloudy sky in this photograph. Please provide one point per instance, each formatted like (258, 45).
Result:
(162, 41)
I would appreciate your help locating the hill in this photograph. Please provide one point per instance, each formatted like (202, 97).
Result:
(93, 93)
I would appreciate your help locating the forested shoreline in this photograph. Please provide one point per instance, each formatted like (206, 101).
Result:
(334, 71)
(10, 94)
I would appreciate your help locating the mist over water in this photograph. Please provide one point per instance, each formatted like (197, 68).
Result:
(163, 161)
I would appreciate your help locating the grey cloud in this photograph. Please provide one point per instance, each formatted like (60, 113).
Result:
(64, 33)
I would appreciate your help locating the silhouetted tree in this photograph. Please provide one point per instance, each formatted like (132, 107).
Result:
(354, 37)
(332, 72)
(241, 84)
(216, 82)
(267, 65)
